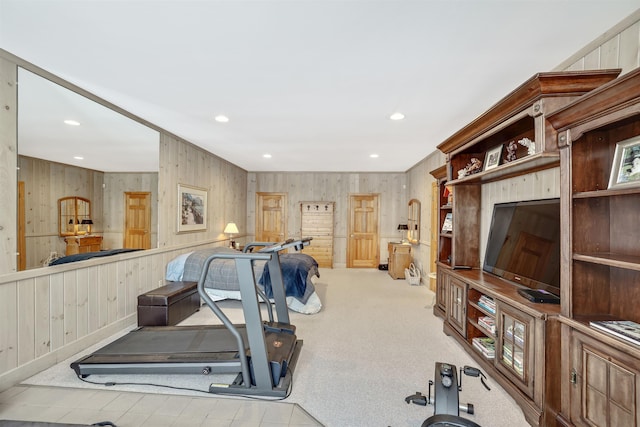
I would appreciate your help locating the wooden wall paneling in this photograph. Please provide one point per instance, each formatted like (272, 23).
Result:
(42, 316)
(8, 326)
(617, 48)
(26, 321)
(82, 302)
(111, 284)
(57, 311)
(133, 285)
(335, 186)
(629, 57)
(70, 307)
(609, 53)
(181, 162)
(119, 270)
(8, 162)
(93, 299)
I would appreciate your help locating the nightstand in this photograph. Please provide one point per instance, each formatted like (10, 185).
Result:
(400, 257)
(82, 244)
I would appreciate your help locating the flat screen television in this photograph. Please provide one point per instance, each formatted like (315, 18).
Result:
(524, 246)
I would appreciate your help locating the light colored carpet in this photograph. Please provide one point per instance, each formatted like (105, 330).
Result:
(375, 342)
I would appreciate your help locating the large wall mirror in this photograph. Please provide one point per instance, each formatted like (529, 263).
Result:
(72, 146)
(413, 222)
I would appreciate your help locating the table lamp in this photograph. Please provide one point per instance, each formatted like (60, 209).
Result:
(231, 229)
(88, 223)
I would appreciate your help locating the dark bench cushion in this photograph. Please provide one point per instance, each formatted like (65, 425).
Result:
(169, 304)
(168, 294)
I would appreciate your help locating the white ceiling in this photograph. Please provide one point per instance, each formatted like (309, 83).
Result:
(311, 82)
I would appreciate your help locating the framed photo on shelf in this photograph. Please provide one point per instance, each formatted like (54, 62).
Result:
(447, 225)
(492, 158)
(192, 208)
(625, 171)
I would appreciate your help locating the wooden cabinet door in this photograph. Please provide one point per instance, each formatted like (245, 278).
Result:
(515, 347)
(271, 217)
(605, 390)
(362, 245)
(442, 287)
(457, 305)
(137, 220)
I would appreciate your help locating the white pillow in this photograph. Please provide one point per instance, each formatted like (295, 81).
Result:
(175, 268)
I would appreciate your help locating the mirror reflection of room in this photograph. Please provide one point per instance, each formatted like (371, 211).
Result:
(74, 167)
(413, 223)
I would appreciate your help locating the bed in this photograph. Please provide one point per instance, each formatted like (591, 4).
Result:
(298, 271)
(89, 255)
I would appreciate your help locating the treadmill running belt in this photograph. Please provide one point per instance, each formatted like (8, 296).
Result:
(171, 340)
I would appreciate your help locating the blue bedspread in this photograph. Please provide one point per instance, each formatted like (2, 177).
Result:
(89, 255)
(295, 270)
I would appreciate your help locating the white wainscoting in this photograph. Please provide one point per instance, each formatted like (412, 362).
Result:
(49, 314)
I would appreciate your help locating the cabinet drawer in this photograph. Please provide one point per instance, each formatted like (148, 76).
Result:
(90, 241)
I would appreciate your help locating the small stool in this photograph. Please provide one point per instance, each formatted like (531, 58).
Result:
(168, 305)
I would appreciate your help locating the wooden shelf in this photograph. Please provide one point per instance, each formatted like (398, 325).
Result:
(532, 163)
(629, 262)
(605, 193)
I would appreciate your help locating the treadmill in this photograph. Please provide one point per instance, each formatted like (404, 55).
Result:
(262, 353)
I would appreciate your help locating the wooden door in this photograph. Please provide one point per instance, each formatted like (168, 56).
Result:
(137, 220)
(363, 243)
(271, 217)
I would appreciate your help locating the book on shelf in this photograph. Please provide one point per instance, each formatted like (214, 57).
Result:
(488, 323)
(515, 332)
(513, 359)
(487, 303)
(447, 225)
(486, 346)
(625, 329)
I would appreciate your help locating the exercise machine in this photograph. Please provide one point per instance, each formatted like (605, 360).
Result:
(262, 353)
(447, 386)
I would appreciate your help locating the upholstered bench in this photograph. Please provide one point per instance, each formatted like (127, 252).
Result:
(168, 305)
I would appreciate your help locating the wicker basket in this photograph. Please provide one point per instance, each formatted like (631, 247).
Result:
(412, 275)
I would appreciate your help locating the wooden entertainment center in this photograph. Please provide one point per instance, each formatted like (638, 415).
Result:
(560, 370)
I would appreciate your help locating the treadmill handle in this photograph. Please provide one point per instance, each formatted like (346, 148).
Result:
(246, 376)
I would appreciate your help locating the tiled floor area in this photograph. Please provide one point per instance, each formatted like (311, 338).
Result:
(128, 409)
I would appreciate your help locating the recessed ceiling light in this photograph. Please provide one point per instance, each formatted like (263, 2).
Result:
(221, 119)
(374, 156)
(72, 123)
(396, 116)
(266, 156)
(78, 157)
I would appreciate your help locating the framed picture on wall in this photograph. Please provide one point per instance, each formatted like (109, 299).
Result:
(625, 171)
(492, 158)
(192, 208)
